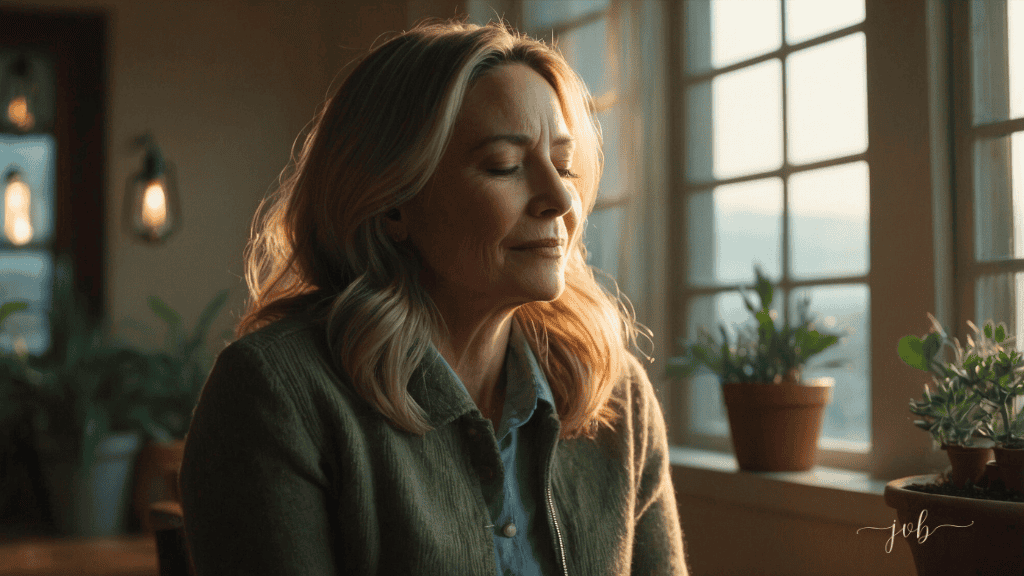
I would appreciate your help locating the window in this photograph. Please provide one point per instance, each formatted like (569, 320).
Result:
(990, 158)
(28, 169)
(62, 159)
(775, 140)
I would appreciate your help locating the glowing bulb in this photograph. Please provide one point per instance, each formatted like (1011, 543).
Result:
(17, 224)
(154, 206)
(19, 114)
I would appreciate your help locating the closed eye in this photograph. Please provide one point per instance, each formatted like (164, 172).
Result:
(503, 171)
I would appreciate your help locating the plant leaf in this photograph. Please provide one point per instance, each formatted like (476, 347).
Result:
(911, 351)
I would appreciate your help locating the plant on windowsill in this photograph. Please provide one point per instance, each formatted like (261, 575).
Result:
(969, 406)
(774, 414)
(972, 407)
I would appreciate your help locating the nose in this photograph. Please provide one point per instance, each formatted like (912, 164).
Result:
(552, 196)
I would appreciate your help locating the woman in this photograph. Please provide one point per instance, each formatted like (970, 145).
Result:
(428, 379)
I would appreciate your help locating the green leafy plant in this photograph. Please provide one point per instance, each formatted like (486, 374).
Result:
(975, 391)
(762, 351)
(185, 362)
(88, 384)
(11, 366)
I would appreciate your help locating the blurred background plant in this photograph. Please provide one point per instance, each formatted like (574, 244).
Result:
(184, 362)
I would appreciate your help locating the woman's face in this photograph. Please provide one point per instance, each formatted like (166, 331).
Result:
(505, 180)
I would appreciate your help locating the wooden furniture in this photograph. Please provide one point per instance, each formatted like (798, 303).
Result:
(167, 521)
(130, 555)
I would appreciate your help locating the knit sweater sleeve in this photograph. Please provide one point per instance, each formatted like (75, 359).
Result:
(254, 497)
(658, 537)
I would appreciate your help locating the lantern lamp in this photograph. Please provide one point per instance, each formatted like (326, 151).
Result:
(19, 96)
(151, 207)
(17, 203)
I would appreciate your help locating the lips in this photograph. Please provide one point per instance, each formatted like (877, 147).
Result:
(542, 243)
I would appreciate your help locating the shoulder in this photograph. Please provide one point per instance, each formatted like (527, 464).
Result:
(281, 350)
(635, 392)
(285, 362)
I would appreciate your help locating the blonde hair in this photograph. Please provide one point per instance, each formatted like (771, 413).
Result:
(319, 243)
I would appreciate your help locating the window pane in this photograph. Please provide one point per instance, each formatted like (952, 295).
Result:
(604, 227)
(997, 37)
(746, 120)
(842, 309)
(828, 221)
(584, 48)
(733, 227)
(998, 297)
(826, 97)
(539, 15)
(26, 275)
(35, 157)
(707, 411)
(741, 29)
(999, 197)
(611, 186)
(806, 19)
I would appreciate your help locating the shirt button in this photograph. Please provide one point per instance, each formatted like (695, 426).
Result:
(509, 530)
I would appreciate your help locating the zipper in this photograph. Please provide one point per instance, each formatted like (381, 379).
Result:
(558, 532)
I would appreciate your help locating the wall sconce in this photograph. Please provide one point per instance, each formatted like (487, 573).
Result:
(151, 208)
(20, 95)
(17, 200)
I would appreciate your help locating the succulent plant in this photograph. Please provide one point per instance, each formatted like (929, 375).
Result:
(975, 392)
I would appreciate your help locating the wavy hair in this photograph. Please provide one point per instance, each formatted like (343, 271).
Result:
(319, 242)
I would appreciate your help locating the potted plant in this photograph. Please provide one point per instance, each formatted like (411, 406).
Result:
(972, 406)
(969, 406)
(91, 401)
(183, 365)
(774, 414)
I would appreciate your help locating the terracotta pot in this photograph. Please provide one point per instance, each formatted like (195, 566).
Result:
(775, 427)
(968, 464)
(1011, 468)
(992, 541)
(156, 476)
(992, 474)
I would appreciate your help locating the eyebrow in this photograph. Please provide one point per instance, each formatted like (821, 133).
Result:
(521, 140)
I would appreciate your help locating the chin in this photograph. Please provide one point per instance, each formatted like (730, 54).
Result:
(546, 291)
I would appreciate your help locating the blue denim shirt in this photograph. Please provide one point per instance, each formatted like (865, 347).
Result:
(517, 502)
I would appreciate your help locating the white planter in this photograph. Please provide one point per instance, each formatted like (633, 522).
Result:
(92, 502)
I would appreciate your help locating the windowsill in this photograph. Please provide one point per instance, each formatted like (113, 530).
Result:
(823, 493)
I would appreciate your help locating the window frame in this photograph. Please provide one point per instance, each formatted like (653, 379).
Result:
(77, 41)
(908, 150)
(688, 187)
(968, 269)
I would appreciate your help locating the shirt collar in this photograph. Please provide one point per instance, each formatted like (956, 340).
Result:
(443, 396)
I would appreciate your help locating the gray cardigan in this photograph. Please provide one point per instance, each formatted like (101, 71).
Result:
(287, 471)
